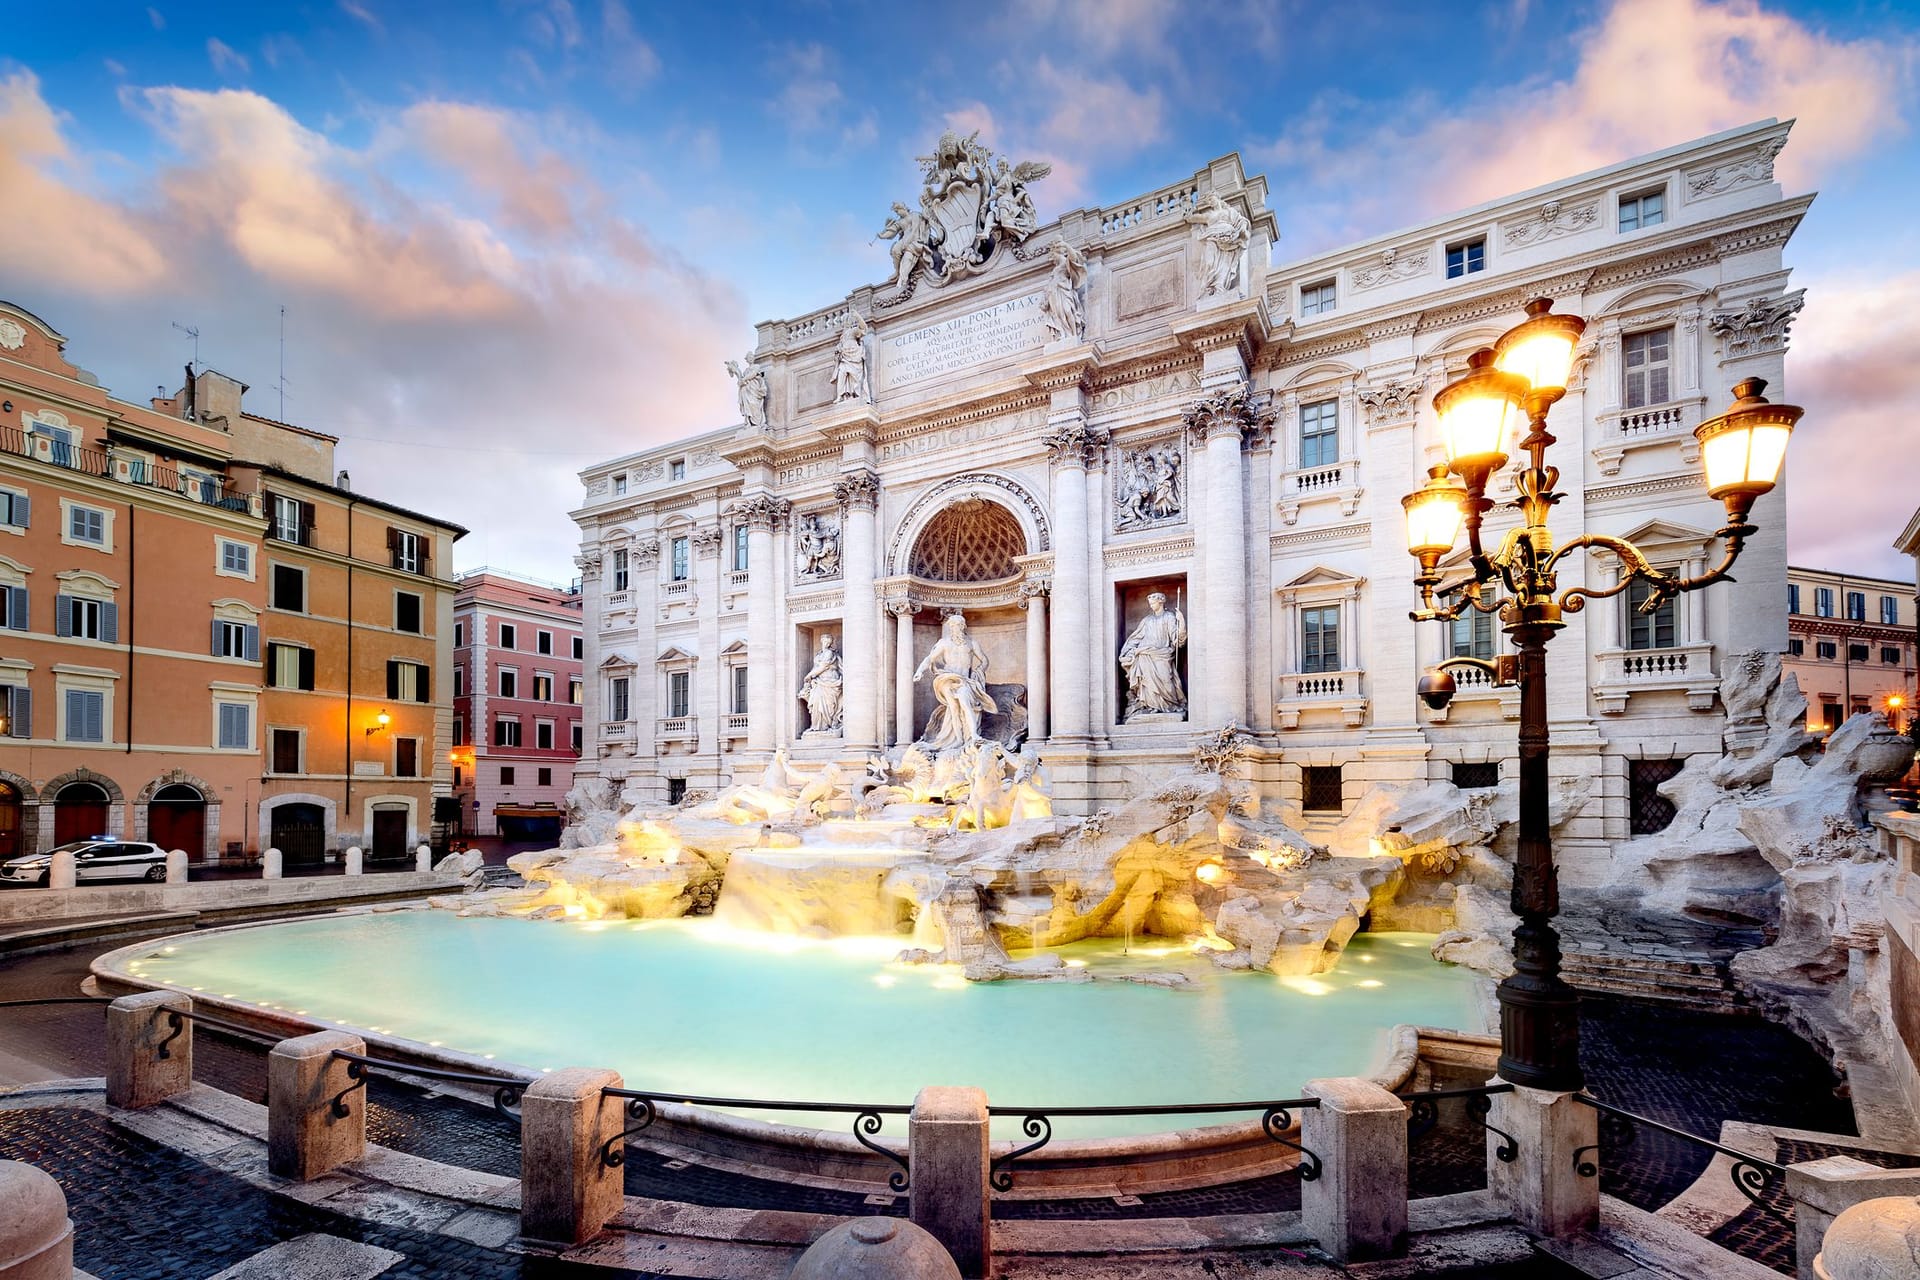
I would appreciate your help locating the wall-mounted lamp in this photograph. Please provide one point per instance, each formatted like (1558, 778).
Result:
(380, 722)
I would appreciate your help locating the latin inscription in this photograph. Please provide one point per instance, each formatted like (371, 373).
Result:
(964, 342)
(961, 435)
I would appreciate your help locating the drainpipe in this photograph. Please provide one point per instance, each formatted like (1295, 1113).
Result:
(346, 813)
(133, 591)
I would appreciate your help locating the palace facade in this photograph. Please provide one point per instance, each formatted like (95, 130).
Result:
(1044, 426)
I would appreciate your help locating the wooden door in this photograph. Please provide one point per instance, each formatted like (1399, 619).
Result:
(389, 833)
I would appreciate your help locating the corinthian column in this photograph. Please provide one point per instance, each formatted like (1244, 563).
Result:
(859, 495)
(1033, 598)
(1070, 444)
(902, 611)
(1215, 425)
(762, 513)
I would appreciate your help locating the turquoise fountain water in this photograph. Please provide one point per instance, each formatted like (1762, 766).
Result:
(695, 1007)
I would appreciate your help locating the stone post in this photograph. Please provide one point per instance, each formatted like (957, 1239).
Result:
(859, 495)
(1822, 1190)
(270, 865)
(567, 1191)
(304, 1137)
(1357, 1208)
(423, 858)
(353, 860)
(1541, 1189)
(177, 867)
(1072, 633)
(60, 872)
(1220, 663)
(903, 611)
(36, 1236)
(1033, 598)
(1873, 1240)
(137, 1028)
(949, 1165)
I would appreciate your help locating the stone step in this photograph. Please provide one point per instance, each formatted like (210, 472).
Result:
(1699, 982)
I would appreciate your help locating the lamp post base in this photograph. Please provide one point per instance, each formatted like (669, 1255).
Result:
(1539, 1016)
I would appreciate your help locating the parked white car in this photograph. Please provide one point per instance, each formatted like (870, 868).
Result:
(102, 858)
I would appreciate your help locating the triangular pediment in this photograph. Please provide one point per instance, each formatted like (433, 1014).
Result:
(1320, 576)
(674, 653)
(617, 661)
(735, 650)
(1658, 533)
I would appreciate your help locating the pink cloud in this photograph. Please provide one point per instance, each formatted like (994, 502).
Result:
(491, 150)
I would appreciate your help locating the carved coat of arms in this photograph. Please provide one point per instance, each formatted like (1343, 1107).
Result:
(970, 204)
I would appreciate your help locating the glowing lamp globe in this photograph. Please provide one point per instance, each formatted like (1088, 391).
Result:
(1741, 450)
(1435, 512)
(1540, 349)
(1474, 412)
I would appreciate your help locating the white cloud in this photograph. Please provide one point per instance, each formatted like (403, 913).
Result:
(226, 59)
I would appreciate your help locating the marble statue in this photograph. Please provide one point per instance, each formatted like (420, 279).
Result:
(911, 233)
(959, 668)
(1150, 487)
(850, 361)
(817, 548)
(779, 779)
(1060, 304)
(822, 688)
(753, 389)
(1032, 788)
(1010, 206)
(970, 204)
(1150, 658)
(1224, 230)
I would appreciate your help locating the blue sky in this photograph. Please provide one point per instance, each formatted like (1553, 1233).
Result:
(512, 238)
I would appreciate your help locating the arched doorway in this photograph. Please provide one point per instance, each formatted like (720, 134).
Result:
(79, 812)
(177, 819)
(299, 832)
(11, 811)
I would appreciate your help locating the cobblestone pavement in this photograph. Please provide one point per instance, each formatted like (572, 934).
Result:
(1767, 1237)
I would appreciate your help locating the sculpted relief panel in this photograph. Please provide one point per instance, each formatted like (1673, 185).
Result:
(1150, 487)
(816, 547)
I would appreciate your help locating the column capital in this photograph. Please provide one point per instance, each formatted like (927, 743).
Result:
(1231, 412)
(706, 539)
(858, 491)
(1037, 587)
(763, 511)
(903, 608)
(588, 563)
(646, 551)
(1072, 443)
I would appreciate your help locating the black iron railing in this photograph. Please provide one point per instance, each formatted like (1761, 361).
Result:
(1423, 1114)
(642, 1107)
(50, 1000)
(507, 1090)
(1751, 1175)
(177, 1020)
(1276, 1119)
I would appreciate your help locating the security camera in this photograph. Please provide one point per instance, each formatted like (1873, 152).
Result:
(1436, 688)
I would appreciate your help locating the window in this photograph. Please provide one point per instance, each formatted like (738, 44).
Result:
(543, 735)
(506, 775)
(408, 681)
(459, 777)
(740, 551)
(1476, 777)
(459, 732)
(459, 635)
(289, 588)
(679, 694)
(1472, 635)
(17, 702)
(1890, 610)
(1319, 434)
(1856, 653)
(88, 525)
(1316, 299)
(289, 520)
(677, 469)
(61, 439)
(543, 688)
(509, 636)
(1320, 788)
(236, 640)
(543, 642)
(1890, 654)
(1823, 602)
(459, 682)
(506, 732)
(579, 648)
(1857, 606)
(236, 726)
(15, 616)
(87, 619)
(1797, 647)
(617, 697)
(406, 757)
(16, 509)
(289, 667)
(406, 612)
(544, 777)
(1649, 630)
(286, 750)
(1465, 259)
(1826, 649)
(739, 691)
(1648, 209)
(86, 715)
(1649, 367)
(620, 571)
(1793, 597)
(1829, 713)
(1858, 707)
(1648, 811)
(680, 560)
(619, 485)
(407, 550)
(576, 737)
(509, 682)
(1320, 639)
(676, 790)
(576, 693)
(236, 559)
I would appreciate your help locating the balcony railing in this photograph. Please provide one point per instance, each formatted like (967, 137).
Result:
(1305, 690)
(736, 724)
(676, 729)
(1687, 668)
(208, 490)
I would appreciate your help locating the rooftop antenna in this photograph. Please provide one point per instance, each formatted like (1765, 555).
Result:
(193, 333)
(282, 415)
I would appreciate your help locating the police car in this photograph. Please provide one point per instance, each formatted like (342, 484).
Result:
(101, 858)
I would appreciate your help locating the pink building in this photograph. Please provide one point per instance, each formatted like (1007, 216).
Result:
(516, 703)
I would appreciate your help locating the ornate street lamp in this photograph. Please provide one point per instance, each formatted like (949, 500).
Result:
(1526, 373)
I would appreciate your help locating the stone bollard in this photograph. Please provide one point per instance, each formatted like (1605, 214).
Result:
(1873, 1240)
(948, 1163)
(1357, 1207)
(875, 1249)
(567, 1192)
(36, 1236)
(138, 1029)
(423, 858)
(1822, 1190)
(354, 858)
(60, 872)
(270, 865)
(304, 1137)
(1541, 1189)
(177, 867)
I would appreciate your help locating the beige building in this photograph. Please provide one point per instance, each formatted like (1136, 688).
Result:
(1851, 644)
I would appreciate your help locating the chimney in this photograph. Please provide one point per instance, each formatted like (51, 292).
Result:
(343, 481)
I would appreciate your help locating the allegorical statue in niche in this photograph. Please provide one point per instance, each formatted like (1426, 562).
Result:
(850, 360)
(1224, 230)
(959, 668)
(753, 390)
(822, 690)
(1060, 304)
(817, 547)
(1150, 657)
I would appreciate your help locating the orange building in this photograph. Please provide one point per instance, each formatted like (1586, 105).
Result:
(152, 681)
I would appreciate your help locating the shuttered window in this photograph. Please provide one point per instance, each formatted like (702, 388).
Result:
(236, 726)
(407, 681)
(16, 509)
(289, 667)
(17, 613)
(235, 640)
(86, 715)
(17, 702)
(86, 619)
